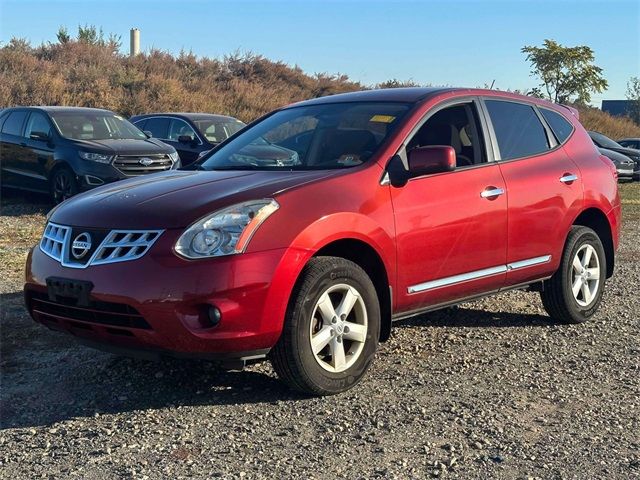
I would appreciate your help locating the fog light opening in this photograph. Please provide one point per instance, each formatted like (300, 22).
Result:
(91, 180)
(214, 315)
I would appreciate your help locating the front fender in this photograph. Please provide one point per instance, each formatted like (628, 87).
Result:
(330, 228)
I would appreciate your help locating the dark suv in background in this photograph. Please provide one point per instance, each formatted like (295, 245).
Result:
(190, 134)
(64, 150)
(602, 141)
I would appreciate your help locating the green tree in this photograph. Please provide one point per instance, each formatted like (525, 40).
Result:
(567, 74)
(63, 35)
(633, 95)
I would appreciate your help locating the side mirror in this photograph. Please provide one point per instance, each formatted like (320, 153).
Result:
(432, 159)
(148, 133)
(186, 139)
(41, 136)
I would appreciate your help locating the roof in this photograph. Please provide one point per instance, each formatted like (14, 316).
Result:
(62, 109)
(189, 116)
(405, 94)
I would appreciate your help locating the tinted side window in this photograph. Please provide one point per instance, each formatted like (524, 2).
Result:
(180, 128)
(159, 127)
(140, 124)
(37, 123)
(518, 129)
(560, 126)
(13, 124)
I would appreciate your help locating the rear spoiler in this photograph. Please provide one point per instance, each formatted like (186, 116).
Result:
(573, 111)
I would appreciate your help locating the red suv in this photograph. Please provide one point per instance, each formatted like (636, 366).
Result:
(387, 204)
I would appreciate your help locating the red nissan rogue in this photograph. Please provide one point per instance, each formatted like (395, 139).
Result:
(387, 204)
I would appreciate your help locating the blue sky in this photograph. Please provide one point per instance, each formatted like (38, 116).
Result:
(468, 43)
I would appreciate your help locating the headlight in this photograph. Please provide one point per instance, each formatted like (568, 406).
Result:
(226, 231)
(174, 157)
(96, 157)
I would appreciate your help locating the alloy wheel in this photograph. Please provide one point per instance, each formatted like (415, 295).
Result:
(338, 328)
(62, 188)
(585, 275)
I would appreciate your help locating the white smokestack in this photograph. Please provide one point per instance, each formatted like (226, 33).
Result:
(134, 48)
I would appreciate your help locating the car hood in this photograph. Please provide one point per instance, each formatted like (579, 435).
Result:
(626, 151)
(174, 199)
(148, 146)
(615, 156)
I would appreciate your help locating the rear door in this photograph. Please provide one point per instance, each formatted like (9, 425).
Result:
(14, 151)
(451, 227)
(544, 189)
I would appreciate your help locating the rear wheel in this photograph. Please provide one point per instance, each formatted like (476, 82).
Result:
(331, 328)
(575, 291)
(62, 185)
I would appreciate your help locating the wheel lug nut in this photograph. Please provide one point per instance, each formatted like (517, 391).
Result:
(334, 319)
(346, 329)
(333, 332)
(339, 338)
(343, 317)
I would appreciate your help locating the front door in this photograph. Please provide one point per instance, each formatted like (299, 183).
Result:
(451, 228)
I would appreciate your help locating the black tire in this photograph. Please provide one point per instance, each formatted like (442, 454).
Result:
(62, 185)
(293, 358)
(557, 295)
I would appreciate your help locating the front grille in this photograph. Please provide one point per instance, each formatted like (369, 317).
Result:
(98, 246)
(133, 165)
(54, 240)
(101, 313)
(121, 245)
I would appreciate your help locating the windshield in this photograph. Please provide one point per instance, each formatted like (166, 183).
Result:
(316, 137)
(604, 142)
(216, 131)
(95, 126)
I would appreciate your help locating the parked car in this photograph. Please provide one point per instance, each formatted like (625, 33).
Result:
(630, 143)
(189, 133)
(603, 141)
(65, 150)
(624, 165)
(395, 202)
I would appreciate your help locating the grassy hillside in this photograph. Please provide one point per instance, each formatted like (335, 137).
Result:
(95, 75)
(92, 73)
(613, 127)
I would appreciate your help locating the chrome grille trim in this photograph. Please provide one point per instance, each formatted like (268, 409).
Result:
(123, 245)
(117, 246)
(130, 164)
(54, 240)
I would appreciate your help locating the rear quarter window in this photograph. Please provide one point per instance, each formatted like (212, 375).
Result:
(560, 126)
(13, 123)
(519, 131)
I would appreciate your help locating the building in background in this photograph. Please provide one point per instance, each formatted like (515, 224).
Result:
(617, 108)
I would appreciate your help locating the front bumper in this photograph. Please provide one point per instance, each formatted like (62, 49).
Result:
(93, 174)
(157, 305)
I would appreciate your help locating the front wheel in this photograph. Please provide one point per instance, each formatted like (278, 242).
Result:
(575, 291)
(62, 185)
(331, 329)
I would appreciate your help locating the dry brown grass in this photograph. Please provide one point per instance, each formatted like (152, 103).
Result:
(242, 85)
(78, 73)
(613, 127)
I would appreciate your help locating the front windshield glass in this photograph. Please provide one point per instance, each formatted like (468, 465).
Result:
(604, 142)
(216, 131)
(95, 126)
(337, 135)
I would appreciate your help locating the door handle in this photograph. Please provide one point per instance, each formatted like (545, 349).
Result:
(568, 178)
(491, 193)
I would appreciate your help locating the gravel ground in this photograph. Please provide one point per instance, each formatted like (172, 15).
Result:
(488, 390)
